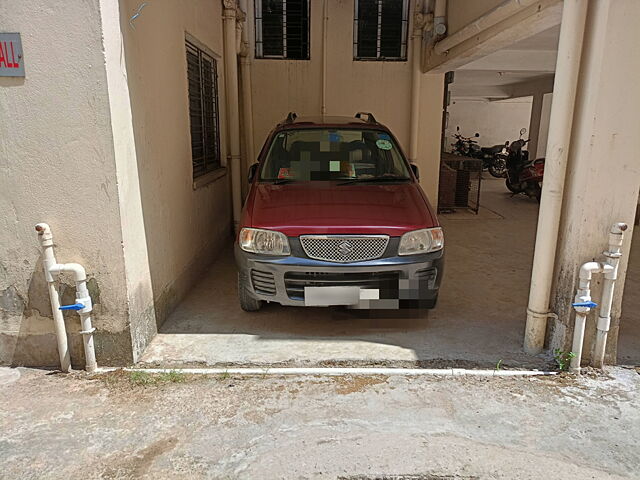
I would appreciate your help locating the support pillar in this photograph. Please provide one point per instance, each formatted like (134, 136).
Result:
(603, 176)
(534, 124)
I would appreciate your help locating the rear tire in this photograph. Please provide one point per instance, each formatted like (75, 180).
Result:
(539, 193)
(512, 188)
(247, 302)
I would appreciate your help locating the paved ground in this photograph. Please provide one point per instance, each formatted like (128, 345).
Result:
(333, 427)
(479, 318)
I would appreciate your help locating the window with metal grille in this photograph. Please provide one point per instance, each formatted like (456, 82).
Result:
(203, 110)
(380, 30)
(282, 29)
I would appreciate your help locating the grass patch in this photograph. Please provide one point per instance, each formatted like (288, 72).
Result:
(142, 378)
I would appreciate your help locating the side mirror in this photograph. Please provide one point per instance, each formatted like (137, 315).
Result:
(253, 169)
(477, 134)
(523, 131)
(458, 128)
(414, 169)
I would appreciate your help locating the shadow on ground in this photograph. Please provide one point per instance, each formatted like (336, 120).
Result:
(478, 322)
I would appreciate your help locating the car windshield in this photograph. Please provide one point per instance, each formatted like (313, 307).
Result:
(333, 154)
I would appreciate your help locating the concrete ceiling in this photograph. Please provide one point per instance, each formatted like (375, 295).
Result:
(511, 71)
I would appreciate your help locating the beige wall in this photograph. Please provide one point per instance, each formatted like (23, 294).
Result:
(462, 12)
(383, 88)
(57, 166)
(496, 122)
(185, 227)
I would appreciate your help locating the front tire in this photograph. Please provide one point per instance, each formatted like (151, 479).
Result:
(247, 302)
(498, 168)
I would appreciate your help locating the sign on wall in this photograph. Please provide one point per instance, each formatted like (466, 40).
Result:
(11, 58)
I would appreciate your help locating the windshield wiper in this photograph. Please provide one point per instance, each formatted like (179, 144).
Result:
(375, 180)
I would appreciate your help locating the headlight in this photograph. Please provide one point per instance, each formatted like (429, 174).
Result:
(421, 241)
(265, 242)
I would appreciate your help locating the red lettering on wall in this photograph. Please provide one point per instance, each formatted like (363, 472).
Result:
(2, 59)
(13, 57)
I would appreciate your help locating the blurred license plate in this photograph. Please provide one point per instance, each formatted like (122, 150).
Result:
(324, 296)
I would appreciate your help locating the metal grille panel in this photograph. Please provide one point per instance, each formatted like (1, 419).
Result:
(344, 248)
(263, 282)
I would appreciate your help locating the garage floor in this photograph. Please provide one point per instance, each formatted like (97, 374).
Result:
(479, 319)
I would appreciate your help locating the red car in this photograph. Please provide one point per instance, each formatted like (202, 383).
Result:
(335, 216)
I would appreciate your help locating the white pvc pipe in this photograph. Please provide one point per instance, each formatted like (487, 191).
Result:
(245, 86)
(440, 9)
(82, 297)
(499, 13)
(342, 371)
(583, 295)
(416, 75)
(49, 259)
(613, 254)
(233, 108)
(574, 14)
(325, 27)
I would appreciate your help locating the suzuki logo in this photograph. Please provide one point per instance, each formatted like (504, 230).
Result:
(345, 248)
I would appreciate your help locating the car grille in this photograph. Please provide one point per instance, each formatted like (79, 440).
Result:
(344, 248)
(263, 282)
(386, 282)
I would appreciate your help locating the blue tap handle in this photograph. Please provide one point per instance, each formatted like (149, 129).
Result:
(75, 306)
(585, 304)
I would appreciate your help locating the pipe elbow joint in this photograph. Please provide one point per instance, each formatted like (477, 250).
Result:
(589, 268)
(75, 269)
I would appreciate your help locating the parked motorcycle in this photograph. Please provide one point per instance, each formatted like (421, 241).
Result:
(465, 146)
(524, 176)
(494, 159)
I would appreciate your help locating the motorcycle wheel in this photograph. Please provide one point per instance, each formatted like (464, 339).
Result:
(512, 187)
(498, 168)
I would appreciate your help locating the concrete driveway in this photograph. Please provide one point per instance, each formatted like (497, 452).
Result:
(479, 319)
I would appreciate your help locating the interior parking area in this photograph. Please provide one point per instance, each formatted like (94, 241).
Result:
(479, 319)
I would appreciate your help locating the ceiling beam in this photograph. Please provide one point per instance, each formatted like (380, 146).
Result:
(516, 60)
(530, 87)
(529, 21)
(479, 91)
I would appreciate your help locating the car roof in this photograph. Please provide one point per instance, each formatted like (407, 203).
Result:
(319, 121)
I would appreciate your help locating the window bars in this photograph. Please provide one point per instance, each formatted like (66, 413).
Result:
(380, 30)
(282, 29)
(203, 110)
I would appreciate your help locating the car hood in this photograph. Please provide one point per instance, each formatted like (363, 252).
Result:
(329, 208)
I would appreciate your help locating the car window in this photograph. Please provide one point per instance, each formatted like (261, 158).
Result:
(333, 154)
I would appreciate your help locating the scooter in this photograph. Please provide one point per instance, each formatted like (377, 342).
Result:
(524, 176)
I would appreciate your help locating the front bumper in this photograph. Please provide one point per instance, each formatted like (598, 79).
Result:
(409, 281)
